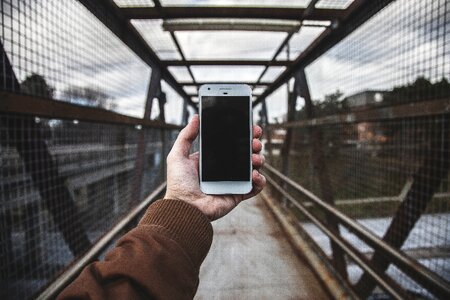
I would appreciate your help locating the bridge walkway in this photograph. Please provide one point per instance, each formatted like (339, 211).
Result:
(251, 258)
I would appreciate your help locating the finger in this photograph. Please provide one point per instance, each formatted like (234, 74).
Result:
(257, 160)
(256, 145)
(259, 182)
(195, 155)
(186, 137)
(257, 131)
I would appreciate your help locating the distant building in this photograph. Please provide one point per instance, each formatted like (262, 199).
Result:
(367, 131)
(364, 99)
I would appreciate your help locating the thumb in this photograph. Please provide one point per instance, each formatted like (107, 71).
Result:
(186, 137)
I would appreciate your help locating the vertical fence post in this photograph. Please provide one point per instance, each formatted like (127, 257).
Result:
(268, 132)
(292, 102)
(152, 91)
(318, 157)
(286, 149)
(185, 113)
(426, 181)
(162, 117)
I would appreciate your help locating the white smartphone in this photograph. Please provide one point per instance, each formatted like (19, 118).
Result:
(226, 134)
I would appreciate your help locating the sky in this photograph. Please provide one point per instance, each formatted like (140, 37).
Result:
(63, 42)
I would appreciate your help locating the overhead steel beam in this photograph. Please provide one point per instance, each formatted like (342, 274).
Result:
(196, 95)
(354, 16)
(230, 25)
(111, 16)
(175, 41)
(180, 63)
(187, 12)
(285, 43)
(184, 83)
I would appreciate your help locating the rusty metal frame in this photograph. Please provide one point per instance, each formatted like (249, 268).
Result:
(180, 63)
(285, 43)
(53, 109)
(354, 16)
(187, 12)
(301, 87)
(302, 242)
(425, 182)
(153, 89)
(419, 273)
(384, 281)
(107, 12)
(268, 131)
(199, 83)
(30, 143)
(416, 109)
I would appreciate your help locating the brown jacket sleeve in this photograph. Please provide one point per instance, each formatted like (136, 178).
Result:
(159, 259)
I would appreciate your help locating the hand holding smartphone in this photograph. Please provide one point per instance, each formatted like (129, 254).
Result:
(225, 139)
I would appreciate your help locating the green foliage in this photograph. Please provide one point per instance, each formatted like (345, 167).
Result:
(420, 90)
(36, 85)
(331, 105)
(88, 96)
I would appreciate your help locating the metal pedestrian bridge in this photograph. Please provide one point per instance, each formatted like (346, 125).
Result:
(354, 100)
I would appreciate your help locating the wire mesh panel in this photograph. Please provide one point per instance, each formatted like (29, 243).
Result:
(65, 183)
(59, 50)
(390, 172)
(58, 197)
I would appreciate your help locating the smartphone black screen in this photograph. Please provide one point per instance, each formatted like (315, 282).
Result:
(225, 138)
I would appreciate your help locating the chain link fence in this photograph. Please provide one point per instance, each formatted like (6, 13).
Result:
(379, 158)
(65, 182)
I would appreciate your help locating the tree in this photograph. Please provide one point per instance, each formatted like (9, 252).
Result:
(331, 105)
(89, 96)
(36, 85)
(420, 90)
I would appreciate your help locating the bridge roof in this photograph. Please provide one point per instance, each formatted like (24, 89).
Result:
(189, 40)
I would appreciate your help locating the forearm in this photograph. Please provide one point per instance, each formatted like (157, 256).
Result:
(160, 259)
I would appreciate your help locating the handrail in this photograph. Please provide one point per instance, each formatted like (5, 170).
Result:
(387, 284)
(417, 109)
(54, 109)
(72, 272)
(434, 283)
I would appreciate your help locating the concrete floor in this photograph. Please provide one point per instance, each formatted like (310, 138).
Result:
(250, 258)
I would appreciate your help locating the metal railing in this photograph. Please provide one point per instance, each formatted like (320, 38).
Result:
(73, 178)
(434, 283)
(365, 127)
(75, 269)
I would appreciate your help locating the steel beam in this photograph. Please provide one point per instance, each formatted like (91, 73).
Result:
(187, 83)
(387, 284)
(107, 12)
(41, 107)
(153, 88)
(233, 25)
(415, 270)
(354, 16)
(306, 13)
(268, 132)
(27, 137)
(426, 182)
(419, 109)
(180, 63)
(321, 170)
(196, 12)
